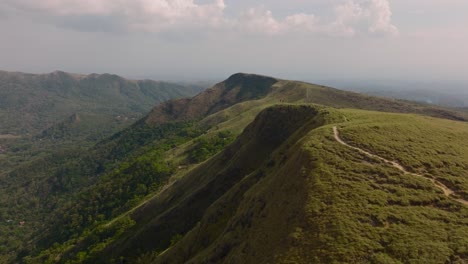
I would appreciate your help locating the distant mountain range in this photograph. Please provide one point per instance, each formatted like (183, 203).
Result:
(30, 103)
(253, 170)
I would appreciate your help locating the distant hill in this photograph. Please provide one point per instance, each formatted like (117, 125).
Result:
(249, 171)
(30, 103)
(443, 93)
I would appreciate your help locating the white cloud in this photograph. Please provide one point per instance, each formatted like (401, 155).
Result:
(145, 15)
(302, 21)
(380, 17)
(259, 20)
(262, 21)
(369, 16)
(351, 17)
(348, 16)
(162, 15)
(66, 7)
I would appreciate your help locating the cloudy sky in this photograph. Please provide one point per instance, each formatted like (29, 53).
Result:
(211, 39)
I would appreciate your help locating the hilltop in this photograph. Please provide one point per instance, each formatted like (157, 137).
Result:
(250, 171)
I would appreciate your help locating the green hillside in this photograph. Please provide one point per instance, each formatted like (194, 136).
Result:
(250, 171)
(314, 200)
(42, 114)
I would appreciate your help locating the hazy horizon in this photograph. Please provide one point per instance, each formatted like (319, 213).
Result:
(188, 40)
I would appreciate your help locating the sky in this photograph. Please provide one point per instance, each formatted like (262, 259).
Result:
(212, 39)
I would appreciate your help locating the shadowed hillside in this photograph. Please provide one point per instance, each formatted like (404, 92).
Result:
(192, 195)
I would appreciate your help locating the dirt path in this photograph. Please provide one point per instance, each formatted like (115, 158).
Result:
(447, 191)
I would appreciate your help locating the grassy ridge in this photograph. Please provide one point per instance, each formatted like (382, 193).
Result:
(318, 201)
(362, 211)
(421, 144)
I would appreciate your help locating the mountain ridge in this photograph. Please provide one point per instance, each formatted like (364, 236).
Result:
(234, 89)
(258, 177)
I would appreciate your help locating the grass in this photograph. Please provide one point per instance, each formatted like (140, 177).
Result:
(421, 144)
(362, 211)
(318, 201)
(348, 208)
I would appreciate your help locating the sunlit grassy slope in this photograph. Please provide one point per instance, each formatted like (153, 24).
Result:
(428, 145)
(311, 200)
(318, 201)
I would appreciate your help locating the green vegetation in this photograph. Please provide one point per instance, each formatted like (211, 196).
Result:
(49, 125)
(424, 145)
(327, 203)
(207, 147)
(125, 178)
(104, 181)
(247, 172)
(41, 114)
(99, 238)
(31, 103)
(370, 212)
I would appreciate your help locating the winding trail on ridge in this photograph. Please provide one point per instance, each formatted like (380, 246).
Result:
(447, 191)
